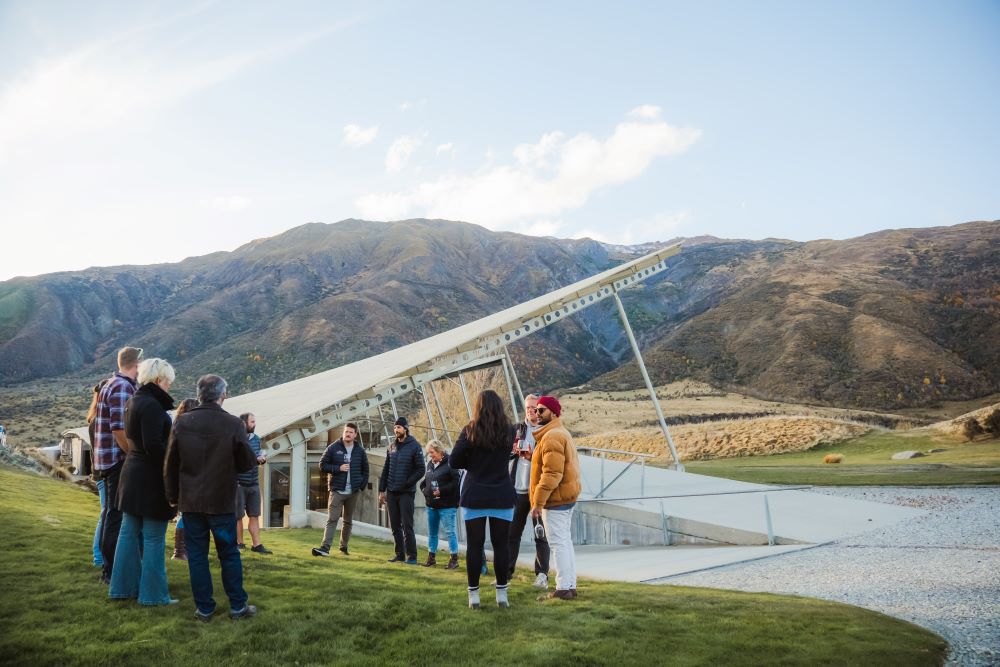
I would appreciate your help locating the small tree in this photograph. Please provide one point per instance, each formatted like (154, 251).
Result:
(993, 423)
(971, 428)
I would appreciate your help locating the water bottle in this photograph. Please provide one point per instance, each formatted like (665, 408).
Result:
(539, 531)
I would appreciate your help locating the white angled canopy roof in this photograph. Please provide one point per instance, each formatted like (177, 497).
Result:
(334, 396)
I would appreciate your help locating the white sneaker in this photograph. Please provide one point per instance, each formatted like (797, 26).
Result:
(474, 598)
(541, 581)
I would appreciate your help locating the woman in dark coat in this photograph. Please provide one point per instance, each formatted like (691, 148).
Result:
(141, 497)
(483, 451)
(440, 488)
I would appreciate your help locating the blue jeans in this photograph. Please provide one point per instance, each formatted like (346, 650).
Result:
(140, 571)
(435, 518)
(98, 558)
(223, 528)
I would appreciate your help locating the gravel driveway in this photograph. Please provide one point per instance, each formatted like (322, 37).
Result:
(940, 571)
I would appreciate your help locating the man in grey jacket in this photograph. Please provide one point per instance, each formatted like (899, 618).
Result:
(208, 447)
(404, 466)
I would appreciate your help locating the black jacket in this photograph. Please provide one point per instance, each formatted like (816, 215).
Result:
(147, 427)
(333, 458)
(448, 481)
(207, 448)
(404, 466)
(487, 481)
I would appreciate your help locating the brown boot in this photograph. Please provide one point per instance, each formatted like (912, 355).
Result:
(431, 561)
(452, 563)
(180, 549)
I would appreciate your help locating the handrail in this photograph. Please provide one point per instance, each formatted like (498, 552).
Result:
(587, 448)
(694, 495)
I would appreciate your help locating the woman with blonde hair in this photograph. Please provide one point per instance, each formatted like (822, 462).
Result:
(141, 572)
(483, 451)
(440, 488)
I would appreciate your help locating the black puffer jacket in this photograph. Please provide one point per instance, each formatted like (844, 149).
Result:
(333, 458)
(404, 466)
(448, 481)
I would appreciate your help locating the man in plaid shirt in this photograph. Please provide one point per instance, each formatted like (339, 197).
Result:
(110, 447)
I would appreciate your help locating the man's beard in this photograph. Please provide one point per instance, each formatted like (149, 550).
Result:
(251, 430)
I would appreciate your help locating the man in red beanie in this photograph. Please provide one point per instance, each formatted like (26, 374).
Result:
(555, 486)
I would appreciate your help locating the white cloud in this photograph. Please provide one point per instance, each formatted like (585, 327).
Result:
(646, 111)
(229, 203)
(550, 177)
(400, 151)
(444, 148)
(356, 136)
(114, 81)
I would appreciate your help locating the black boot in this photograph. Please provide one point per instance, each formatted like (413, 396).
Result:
(452, 562)
(431, 560)
(180, 548)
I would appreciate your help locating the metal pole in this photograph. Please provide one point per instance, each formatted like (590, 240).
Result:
(465, 395)
(517, 383)
(444, 420)
(510, 387)
(770, 528)
(649, 383)
(385, 428)
(430, 418)
(395, 412)
(642, 476)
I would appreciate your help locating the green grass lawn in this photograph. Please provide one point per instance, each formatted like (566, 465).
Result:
(867, 461)
(359, 610)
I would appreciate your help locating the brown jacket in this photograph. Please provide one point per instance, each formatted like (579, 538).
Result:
(207, 448)
(555, 468)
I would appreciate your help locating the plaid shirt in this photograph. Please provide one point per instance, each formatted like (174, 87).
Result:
(111, 417)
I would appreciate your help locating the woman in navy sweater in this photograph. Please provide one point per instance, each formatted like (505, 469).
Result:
(483, 451)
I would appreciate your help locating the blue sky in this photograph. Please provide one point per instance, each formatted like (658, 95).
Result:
(149, 132)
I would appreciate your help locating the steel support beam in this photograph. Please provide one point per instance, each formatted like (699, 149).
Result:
(444, 420)
(510, 388)
(649, 383)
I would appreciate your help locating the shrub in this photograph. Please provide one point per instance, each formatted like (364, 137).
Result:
(971, 428)
(993, 423)
(833, 458)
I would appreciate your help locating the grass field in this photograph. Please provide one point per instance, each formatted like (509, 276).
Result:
(359, 610)
(867, 461)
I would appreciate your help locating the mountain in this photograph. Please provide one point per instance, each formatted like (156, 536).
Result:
(897, 318)
(892, 319)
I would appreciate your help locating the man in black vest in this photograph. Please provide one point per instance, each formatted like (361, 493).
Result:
(404, 466)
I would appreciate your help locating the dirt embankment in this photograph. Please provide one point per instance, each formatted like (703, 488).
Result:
(727, 439)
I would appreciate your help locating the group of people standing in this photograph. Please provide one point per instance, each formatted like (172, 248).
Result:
(203, 464)
(499, 474)
(149, 467)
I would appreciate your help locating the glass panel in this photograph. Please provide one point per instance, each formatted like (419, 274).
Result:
(318, 492)
(279, 493)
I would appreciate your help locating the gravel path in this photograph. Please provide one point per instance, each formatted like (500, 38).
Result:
(940, 571)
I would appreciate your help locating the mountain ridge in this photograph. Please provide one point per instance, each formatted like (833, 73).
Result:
(824, 321)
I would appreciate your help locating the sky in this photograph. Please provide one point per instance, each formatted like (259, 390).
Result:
(136, 133)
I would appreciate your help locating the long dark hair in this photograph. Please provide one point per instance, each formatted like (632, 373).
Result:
(489, 427)
(185, 405)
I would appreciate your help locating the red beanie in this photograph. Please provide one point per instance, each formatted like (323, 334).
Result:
(552, 404)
